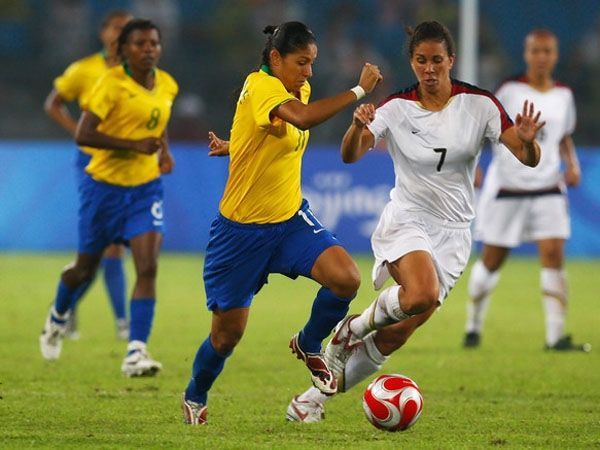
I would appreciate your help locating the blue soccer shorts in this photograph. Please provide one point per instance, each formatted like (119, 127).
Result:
(239, 257)
(110, 213)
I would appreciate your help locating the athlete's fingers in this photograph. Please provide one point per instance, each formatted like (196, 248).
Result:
(525, 104)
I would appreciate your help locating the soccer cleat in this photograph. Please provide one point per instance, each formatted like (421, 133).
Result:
(139, 363)
(341, 345)
(193, 413)
(307, 411)
(71, 330)
(51, 338)
(472, 339)
(322, 378)
(122, 329)
(565, 344)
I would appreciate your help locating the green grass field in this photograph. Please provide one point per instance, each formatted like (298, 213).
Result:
(509, 393)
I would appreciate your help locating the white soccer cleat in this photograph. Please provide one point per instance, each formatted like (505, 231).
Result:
(51, 338)
(139, 363)
(307, 411)
(193, 413)
(340, 347)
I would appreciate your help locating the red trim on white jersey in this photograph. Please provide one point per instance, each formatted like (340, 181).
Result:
(458, 87)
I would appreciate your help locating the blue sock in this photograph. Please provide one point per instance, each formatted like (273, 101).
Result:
(79, 293)
(208, 364)
(114, 279)
(64, 298)
(141, 311)
(327, 311)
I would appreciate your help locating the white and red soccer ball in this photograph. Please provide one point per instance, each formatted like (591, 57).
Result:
(393, 402)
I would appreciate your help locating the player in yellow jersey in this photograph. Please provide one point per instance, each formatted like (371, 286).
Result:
(264, 226)
(76, 84)
(125, 123)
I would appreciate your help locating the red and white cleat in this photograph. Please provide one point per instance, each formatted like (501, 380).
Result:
(307, 411)
(193, 413)
(322, 378)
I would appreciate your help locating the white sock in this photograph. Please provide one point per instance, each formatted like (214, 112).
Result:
(384, 310)
(481, 283)
(61, 317)
(136, 345)
(364, 361)
(314, 395)
(554, 299)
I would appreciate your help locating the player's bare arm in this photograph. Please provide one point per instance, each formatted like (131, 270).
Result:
(569, 156)
(307, 116)
(88, 135)
(166, 161)
(358, 139)
(57, 111)
(520, 139)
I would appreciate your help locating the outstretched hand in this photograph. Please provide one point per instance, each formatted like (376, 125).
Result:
(527, 123)
(364, 115)
(369, 77)
(217, 146)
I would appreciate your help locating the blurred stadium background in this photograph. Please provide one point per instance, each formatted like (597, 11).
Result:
(510, 393)
(209, 46)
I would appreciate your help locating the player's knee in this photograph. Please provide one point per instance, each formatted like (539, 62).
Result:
(346, 283)
(419, 300)
(148, 269)
(81, 274)
(225, 341)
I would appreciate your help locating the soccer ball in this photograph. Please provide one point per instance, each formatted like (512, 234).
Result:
(393, 402)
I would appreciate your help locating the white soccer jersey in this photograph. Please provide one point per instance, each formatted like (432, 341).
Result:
(435, 152)
(558, 111)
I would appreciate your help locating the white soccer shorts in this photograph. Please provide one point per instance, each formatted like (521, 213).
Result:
(507, 222)
(399, 232)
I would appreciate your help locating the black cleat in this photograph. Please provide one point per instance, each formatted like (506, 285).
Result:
(565, 344)
(472, 339)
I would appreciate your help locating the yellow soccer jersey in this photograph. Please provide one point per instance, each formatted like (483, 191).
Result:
(79, 78)
(265, 155)
(129, 111)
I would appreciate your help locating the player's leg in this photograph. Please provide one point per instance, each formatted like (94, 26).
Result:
(226, 331)
(555, 295)
(553, 283)
(114, 280)
(309, 250)
(417, 291)
(365, 359)
(482, 281)
(145, 249)
(235, 268)
(340, 278)
(73, 277)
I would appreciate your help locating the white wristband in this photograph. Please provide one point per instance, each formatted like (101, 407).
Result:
(358, 91)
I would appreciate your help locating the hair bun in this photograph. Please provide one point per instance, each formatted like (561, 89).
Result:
(269, 29)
